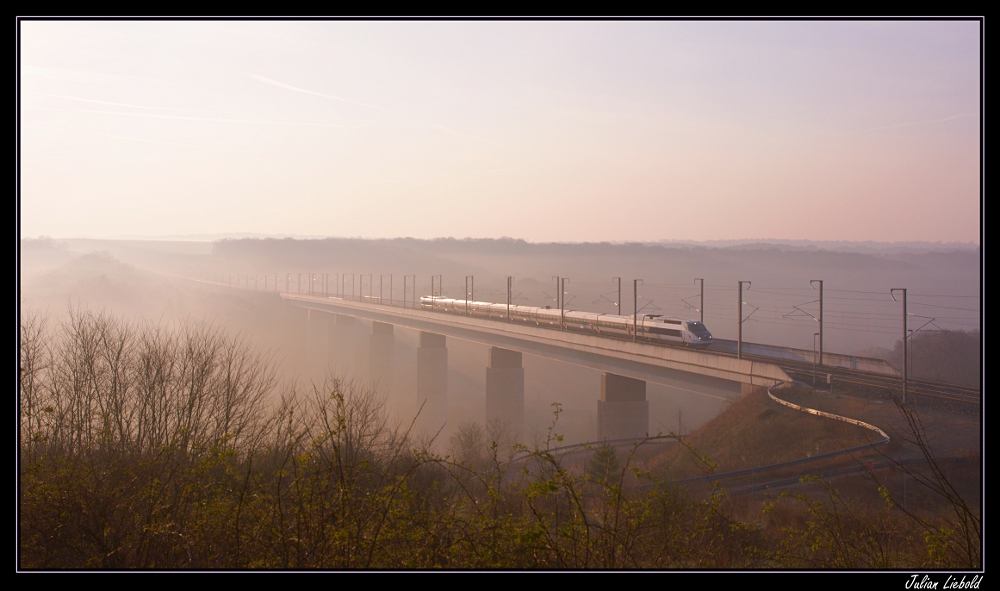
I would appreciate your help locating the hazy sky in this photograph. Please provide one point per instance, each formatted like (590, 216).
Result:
(548, 131)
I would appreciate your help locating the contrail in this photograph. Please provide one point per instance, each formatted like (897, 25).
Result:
(188, 118)
(265, 80)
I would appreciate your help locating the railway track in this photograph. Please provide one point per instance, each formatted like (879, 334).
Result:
(805, 370)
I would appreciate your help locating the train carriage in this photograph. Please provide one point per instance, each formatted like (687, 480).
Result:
(650, 327)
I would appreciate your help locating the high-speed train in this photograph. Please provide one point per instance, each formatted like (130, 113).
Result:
(651, 327)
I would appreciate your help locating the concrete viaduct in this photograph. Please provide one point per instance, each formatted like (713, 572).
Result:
(622, 409)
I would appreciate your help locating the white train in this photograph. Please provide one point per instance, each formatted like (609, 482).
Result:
(651, 327)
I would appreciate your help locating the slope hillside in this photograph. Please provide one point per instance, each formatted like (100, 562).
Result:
(756, 431)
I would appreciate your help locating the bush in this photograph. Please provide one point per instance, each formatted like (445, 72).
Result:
(151, 447)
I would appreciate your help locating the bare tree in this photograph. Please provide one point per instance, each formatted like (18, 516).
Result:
(958, 539)
(34, 367)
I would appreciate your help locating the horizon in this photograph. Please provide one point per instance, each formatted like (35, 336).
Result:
(664, 242)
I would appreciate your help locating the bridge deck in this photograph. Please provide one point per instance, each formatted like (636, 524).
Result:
(641, 360)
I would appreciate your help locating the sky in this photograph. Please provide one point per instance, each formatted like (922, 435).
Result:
(576, 131)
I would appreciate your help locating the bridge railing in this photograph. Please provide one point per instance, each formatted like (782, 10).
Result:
(869, 364)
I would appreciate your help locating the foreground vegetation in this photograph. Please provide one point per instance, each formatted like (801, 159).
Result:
(143, 447)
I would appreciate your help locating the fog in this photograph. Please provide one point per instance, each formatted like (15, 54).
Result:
(154, 280)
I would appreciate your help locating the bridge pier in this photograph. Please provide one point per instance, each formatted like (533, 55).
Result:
(383, 345)
(342, 341)
(432, 380)
(315, 357)
(622, 411)
(505, 388)
(332, 341)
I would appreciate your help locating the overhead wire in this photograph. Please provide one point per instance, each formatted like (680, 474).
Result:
(773, 306)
